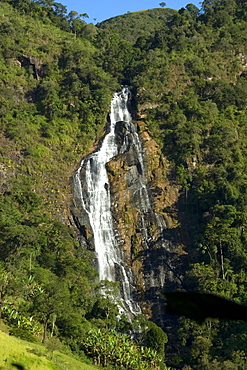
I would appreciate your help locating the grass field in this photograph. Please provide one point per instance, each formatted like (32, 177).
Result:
(32, 356)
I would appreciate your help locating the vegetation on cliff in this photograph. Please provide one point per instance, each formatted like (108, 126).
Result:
(188, 73)
(55, 97)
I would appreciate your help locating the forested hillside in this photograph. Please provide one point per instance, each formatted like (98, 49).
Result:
(188, 76)
(55, 97)
(134, 25)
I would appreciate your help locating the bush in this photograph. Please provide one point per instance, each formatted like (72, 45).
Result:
(23, 334)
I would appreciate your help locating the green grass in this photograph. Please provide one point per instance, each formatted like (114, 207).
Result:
(34, 356)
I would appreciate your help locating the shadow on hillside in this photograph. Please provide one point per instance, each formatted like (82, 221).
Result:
(14, 365)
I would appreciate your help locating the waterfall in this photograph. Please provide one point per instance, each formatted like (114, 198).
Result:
(93, 212)
(93, 189)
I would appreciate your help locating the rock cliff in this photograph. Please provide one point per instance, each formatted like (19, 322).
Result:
(143, 206)
(150, 240)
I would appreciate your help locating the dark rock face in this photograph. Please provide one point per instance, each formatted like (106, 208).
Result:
(27, 61)
(80, 216)
(146, 235)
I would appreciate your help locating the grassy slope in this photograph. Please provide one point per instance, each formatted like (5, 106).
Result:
(34, 356)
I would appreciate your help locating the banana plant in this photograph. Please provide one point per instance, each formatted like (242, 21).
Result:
(109, 347)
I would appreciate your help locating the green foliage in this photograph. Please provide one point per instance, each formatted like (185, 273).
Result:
(133, 25)
(23, 334)
(46, 280)
(109, 347)
(187, 70)
(155, 338)
(52, 345)
(104, 313)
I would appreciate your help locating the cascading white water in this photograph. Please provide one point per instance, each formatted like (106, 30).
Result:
(93, 217)
(95, 200)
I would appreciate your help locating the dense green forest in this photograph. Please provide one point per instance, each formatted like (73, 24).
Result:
(188, 74)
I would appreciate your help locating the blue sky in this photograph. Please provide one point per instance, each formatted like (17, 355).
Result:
(102, 10)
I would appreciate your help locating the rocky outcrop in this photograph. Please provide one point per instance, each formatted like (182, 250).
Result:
(149, 239)
(26, 61)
